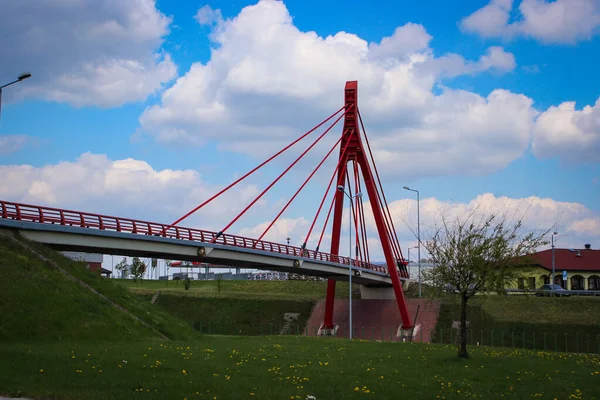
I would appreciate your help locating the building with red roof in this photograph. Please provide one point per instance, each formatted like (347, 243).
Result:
(582, 267)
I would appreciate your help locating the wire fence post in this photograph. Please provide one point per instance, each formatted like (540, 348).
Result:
(502, 337)
(566, 343)
(513, 339)
(523, 340)
(545, 349)
(482, 337)
(555, 342)
(533, 340)
(588, 342)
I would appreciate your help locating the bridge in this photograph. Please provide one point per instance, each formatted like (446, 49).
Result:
(89, 232)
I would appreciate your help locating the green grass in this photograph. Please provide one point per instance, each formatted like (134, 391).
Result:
(275, 290)
(563, 324)
(286, 368)
(39, 303)
(237, 316)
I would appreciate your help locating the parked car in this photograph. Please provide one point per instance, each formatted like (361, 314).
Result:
(552, 290)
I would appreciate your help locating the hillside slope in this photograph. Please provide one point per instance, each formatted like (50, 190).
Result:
(38, 302)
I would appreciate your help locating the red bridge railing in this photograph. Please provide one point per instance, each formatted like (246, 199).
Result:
(55, 216)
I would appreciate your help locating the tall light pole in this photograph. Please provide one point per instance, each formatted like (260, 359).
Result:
(359, 194)
(553, 280)
(418, 233)
(21, 77)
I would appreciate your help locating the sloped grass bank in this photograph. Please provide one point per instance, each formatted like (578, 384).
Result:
(229, 316)
(554, 324)
(37, 302)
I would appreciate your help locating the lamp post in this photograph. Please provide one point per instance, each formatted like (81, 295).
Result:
(288, 241)
(359, 194)
(21, 77)
(553, 280)
(418, 234)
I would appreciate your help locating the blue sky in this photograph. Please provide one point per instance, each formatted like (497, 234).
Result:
(195, 94)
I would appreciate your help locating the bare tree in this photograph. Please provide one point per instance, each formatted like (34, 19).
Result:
(478, 252)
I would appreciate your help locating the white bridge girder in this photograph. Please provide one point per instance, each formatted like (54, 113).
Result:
(71, 238)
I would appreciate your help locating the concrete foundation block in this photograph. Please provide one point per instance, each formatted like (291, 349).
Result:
(327, 331)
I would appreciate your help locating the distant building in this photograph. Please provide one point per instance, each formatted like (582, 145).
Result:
(582, 267)
(93, 260)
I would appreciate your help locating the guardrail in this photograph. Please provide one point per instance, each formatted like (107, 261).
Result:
(558, 293)
(56, 216)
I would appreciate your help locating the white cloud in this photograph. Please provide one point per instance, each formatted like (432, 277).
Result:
(575, 223)
(125, 188)
(12, 143)
(103, 53)
(569, 134)
(266, 82)
(560, 21)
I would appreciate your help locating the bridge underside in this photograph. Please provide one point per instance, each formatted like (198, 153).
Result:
(107, 242)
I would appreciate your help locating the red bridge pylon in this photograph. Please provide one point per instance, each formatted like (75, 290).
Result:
(352, 151)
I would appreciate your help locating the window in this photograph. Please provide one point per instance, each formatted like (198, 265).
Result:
(558, 280)
(594, 282)
(577, 282)
(521, 283)
(545, 279)
(532, 283)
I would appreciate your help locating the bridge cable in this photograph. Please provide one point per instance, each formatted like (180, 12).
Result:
(279, 177)
(335, 171)
(300, 189)
(357, 249)
(363, 228)
(386, 208)
(328, 215)
(255, 169)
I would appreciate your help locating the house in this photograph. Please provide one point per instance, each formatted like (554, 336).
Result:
(582, 267)
(94, 261)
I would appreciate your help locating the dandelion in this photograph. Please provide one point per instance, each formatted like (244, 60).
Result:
(41, 371)
(184, 372)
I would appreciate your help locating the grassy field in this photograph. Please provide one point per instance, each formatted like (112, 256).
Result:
(561, 324)
(289, 368)
(39, 303)
(274, 290)
(237, 316)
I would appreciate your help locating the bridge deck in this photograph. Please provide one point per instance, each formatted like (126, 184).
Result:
(74, 230)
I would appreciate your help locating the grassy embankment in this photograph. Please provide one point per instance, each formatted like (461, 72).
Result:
(289, 368)
(238, 307)
(550, 323)
(37, 302)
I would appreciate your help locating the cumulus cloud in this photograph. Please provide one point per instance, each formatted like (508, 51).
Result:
(266, 82)
(569, 134)
(103, 53)
(12, 143)
(560, 21)
(126, 188)
(576, 223)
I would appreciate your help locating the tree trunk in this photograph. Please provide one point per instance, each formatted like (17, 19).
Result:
(462, 349)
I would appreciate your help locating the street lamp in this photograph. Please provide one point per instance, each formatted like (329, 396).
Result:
(418, 234)
(288, 241)
(21, 77)
(359, 194)
(553, 280)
